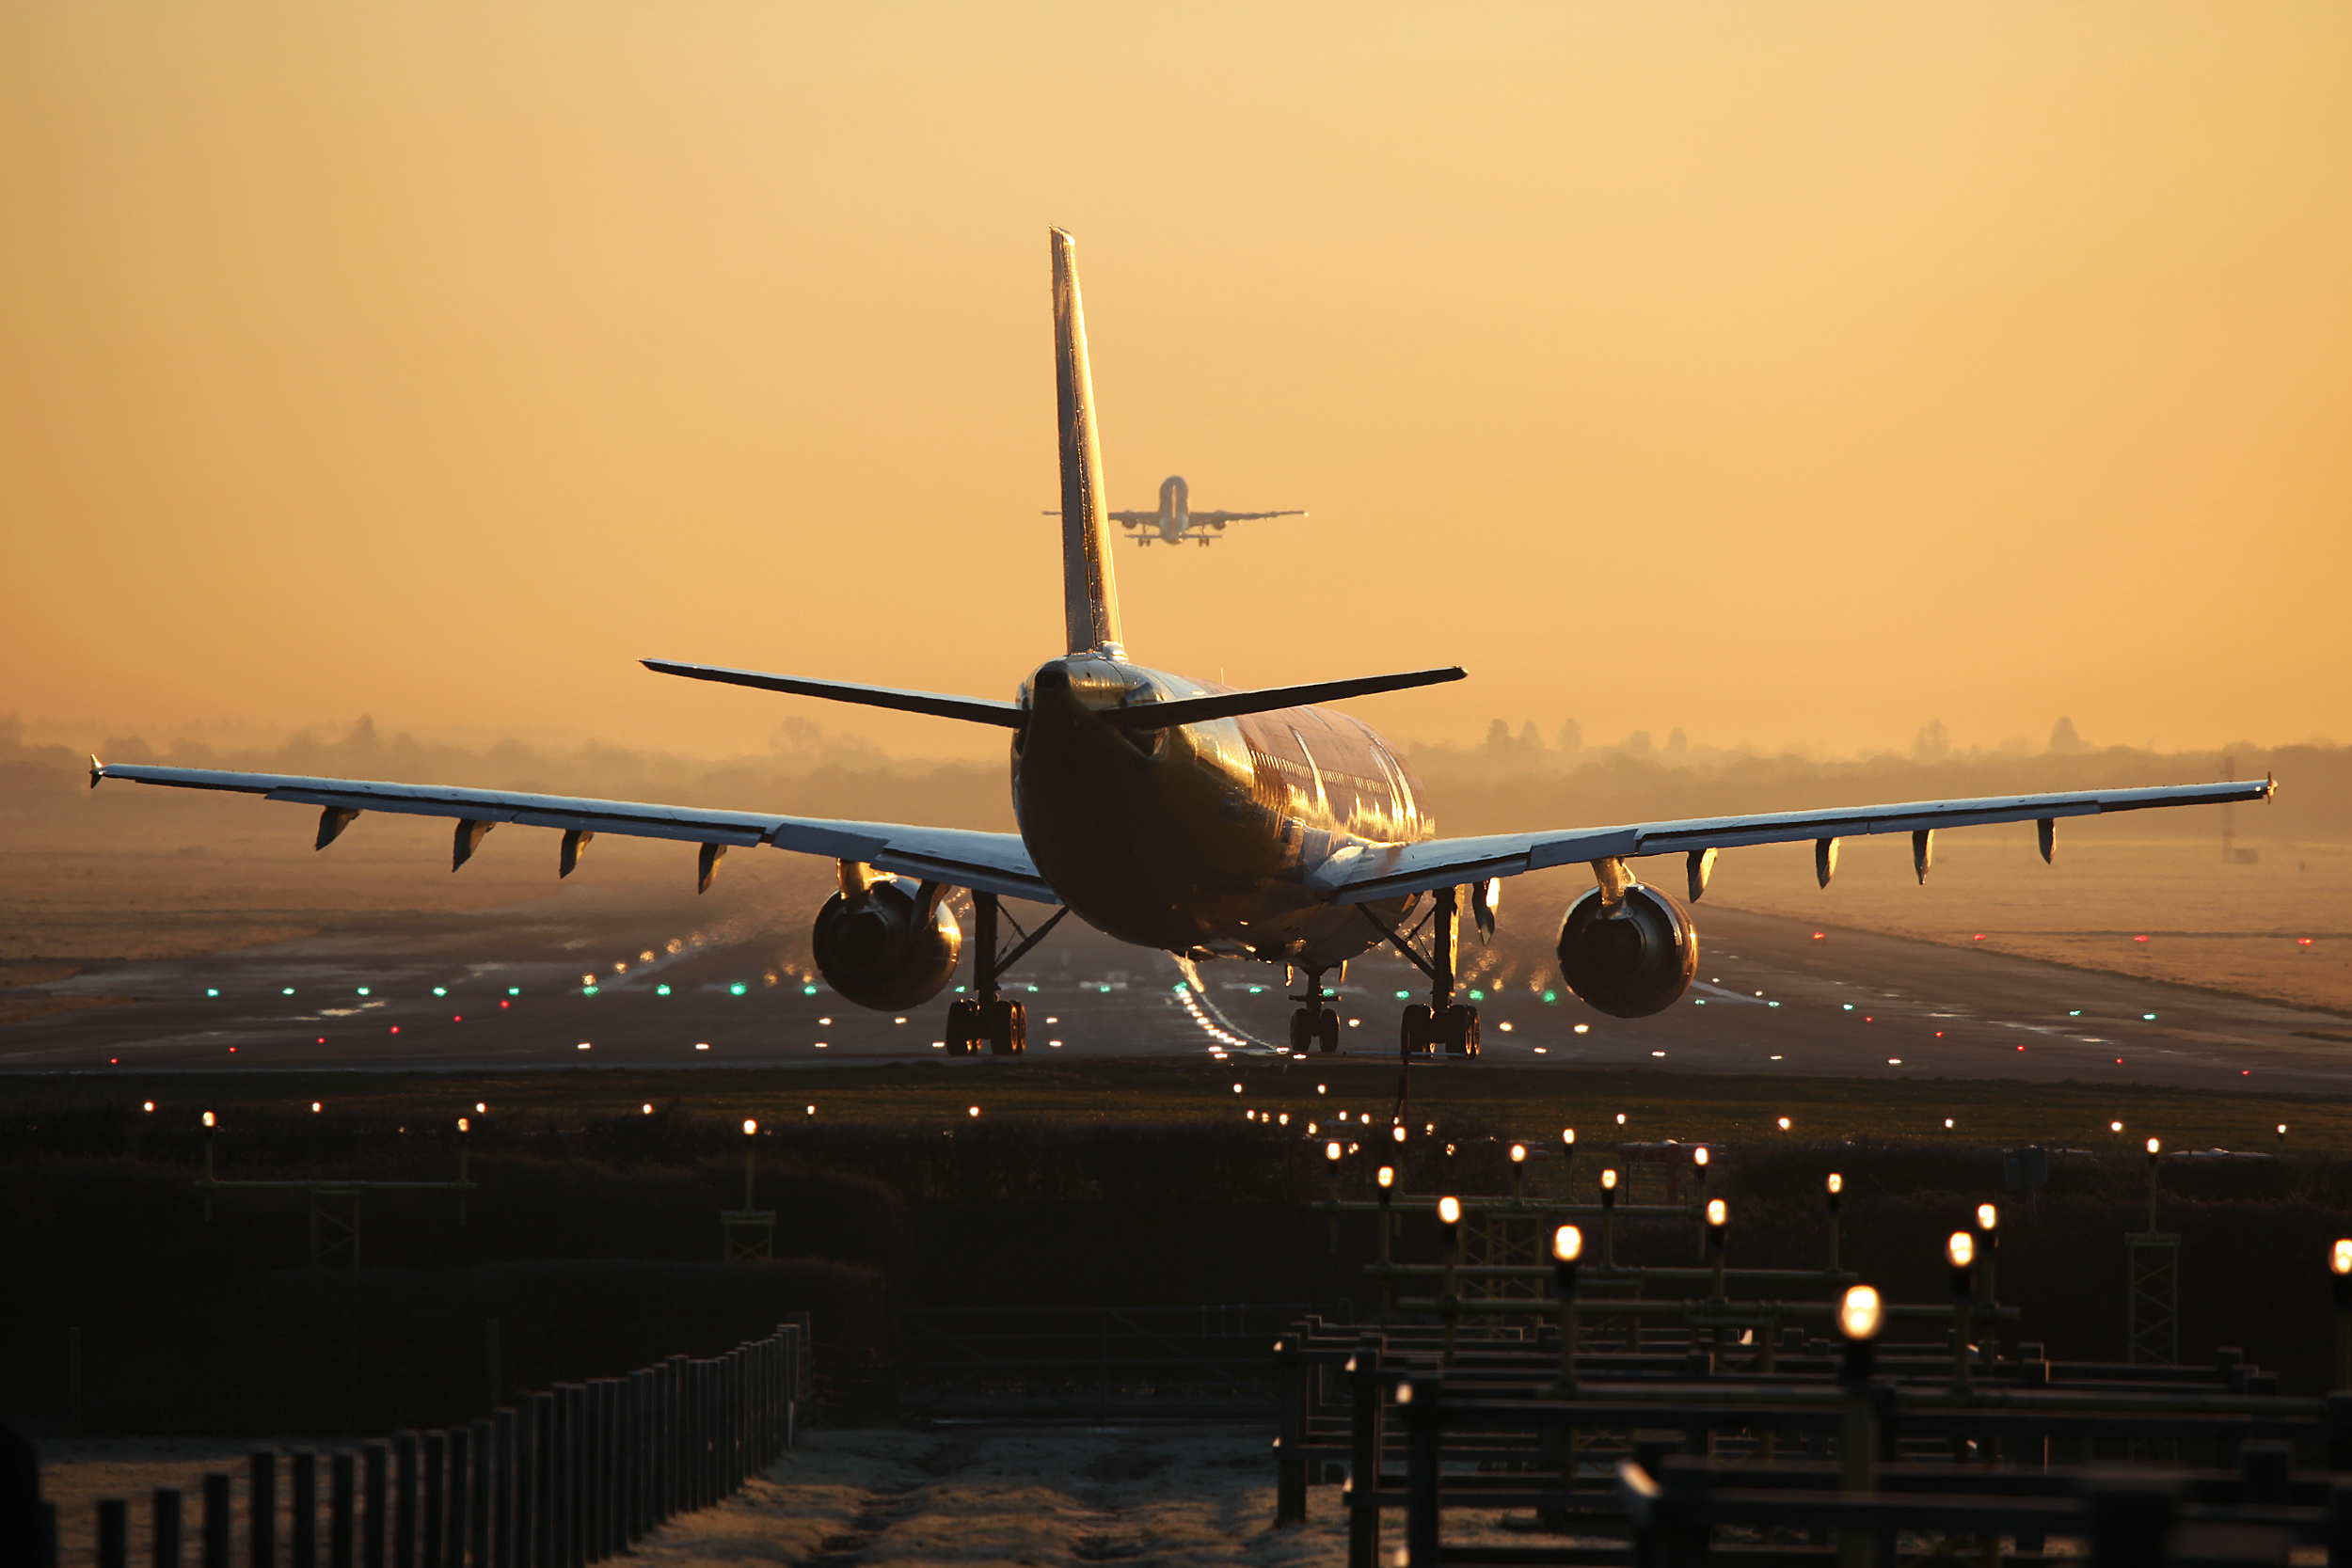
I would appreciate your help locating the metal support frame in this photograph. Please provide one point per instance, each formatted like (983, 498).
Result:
(2151, 1321)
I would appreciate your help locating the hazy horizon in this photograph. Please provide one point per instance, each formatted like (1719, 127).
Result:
(1794, 379)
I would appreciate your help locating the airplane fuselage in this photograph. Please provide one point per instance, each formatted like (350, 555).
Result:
(1195, 839)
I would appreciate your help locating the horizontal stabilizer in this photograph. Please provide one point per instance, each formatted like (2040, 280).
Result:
(976, 710)
(1226, 704)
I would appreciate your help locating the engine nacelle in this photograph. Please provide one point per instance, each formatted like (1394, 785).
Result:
(881, 949)
(1630, 961)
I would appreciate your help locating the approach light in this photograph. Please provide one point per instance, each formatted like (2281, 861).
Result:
(1568, 1137)
(2153, 1145)
(1282, 1120)
(1718, 1214)
(1784, 1124)
(2115, 1126)
(648, 1109)
(1331, 1152)
(1609, 1181)
(1397, 1133)
(481, 1107)
(148, 1105)
(1387, 1176)
(974, 1110)
(1698, 1156)
(750, 1127)
(1237, 1089)
(1947, 1124)
(463, 1126)
(1960, 1247)
(314, 1107)
(1987, 1217)
(1568, 1244)
(207, 1118)
(1859, 1313)
(1518, 1154)
(1620, 1118)
(2340, 1259)
(1449, 1210)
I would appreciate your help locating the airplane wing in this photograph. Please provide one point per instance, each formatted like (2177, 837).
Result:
(1133, 519)
(1362, 873)
(987, 863)
(1220, 519)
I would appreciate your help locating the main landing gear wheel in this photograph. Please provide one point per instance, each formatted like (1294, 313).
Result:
(1314, 1029)
(1000, 1027)
(1457, 1027)
(1416, 1037)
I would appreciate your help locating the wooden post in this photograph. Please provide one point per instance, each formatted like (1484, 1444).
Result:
(216, 1520)
(502, 1488)
(375, 1457)
(114, 1533)
(1290, 1469)
(341, 1505)
(403, 1499)
(1369, 1394)
(1422, 1523)
(433, 1516)
(478, 1496)
(303, 1503)
(73, 1382)
(261, 1505)
(164, 1529)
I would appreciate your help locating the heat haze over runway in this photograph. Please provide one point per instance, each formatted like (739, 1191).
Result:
(507, 989)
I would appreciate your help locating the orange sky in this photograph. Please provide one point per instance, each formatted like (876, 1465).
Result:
(1792, 374)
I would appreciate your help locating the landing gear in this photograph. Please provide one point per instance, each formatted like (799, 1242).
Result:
(981, 1019)
(1314, 1026)
(1442, 1022)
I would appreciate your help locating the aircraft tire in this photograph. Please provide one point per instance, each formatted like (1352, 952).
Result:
(1006, 1027)
(1302, 1029)
(1459, 1029)
(1416, 1036)
(1328, 1029)
(965, 1030)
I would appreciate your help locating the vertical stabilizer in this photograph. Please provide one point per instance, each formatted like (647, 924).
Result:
(1089, 598)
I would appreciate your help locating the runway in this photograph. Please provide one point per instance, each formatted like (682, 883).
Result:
(510, 989)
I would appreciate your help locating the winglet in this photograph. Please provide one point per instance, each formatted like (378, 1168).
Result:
(97, 769)
(1090, 597)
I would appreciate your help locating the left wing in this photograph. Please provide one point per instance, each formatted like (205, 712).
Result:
(1360, 874)
(1218, 519)
(986, 862)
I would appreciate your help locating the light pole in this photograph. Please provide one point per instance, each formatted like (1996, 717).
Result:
(1836, 1195)
(1960, 1248)
(1568, 1246)
(1698, 1197)
(1989, 1251)
(1859, 1315)
(1387, 1179)
(1609, 1218)
(1519, 1175)
(1567, 1164)
(1450, 1234)
(2340, 1270)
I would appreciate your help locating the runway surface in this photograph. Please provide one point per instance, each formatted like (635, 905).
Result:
(509, 989)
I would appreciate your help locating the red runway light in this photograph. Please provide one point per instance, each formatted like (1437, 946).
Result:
(1979, 937)
(2118, 1061)
(395, 1028)
(1821, 936)
(2021, 1048)
(458, 1019)
(322, 1039)
(2302, 942)
(2139, 939)
(502, 1004)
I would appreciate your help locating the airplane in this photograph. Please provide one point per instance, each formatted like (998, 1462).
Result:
(1176, 521)
(1191, 816)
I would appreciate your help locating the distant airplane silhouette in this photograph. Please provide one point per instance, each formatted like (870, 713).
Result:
(1176, 521)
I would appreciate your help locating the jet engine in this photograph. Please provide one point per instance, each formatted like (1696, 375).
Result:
(884, 948)
(1629, 960)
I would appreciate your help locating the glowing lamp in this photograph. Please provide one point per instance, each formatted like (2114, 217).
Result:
(2153, 1145)
(1717, 1214)
(1331, 1152)
(2115, 1126)
(750, 1127)
(1784, 1124)
(463, 1126)
(1449, 1210)
(1386, 1177)
(1568, 1244)
(1960, 1247)
(207, 1118)
(1397, 1133)
(315, 1108)
(1987, 1217)
(2340, 1259)
(1518, 1154)
(1859, 1314)
(648, 1110)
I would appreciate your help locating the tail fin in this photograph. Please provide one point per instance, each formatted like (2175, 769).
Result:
(1090, 597)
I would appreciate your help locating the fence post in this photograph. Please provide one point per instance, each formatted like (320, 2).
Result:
(479, 1496)
(459, 1507)
(302, 1502)
(377, 1457)
(216, 1520)
(341, 1534)
(114, 1533)
(540, 1480)
(433, 1516)
(403, 1499)
(1366, 1447)
(490, 1344)
(502, 1488)
(576, 1539)
(1290, 1468)
(591, 1469)
(261, 1506)
(73, 1382)
(164, 1526)
(668, 1492)
(636, 1502)
(1421, 1436)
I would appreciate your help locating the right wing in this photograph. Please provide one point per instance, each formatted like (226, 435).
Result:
(985, 863)
(1219, 519)
(1360, 874)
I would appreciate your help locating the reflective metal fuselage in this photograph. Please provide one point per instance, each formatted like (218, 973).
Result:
(1197, 837)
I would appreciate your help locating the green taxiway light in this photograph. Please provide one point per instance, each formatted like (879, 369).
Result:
(1403, 994)
(811, 991)
(1478, 996)
(1551, 996)
(587, 991)
(661, 991)
(363, 991)
(211, 991)
(514, 990)
(288, 991)
(440, 991)
(738, 989)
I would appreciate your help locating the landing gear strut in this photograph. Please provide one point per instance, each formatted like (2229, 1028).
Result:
(1314, 1026)
(1442, 1022)
(980, 1018)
